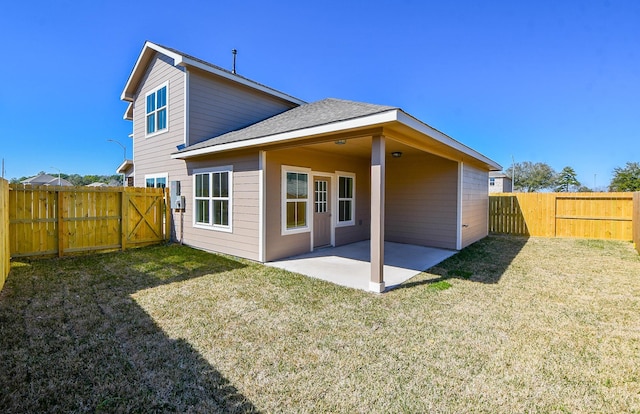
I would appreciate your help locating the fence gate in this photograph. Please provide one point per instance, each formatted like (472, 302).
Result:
(145, 217)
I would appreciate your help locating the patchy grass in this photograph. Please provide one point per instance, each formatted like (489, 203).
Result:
(506, 325)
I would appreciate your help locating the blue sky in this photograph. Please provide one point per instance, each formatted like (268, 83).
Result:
(549, 81)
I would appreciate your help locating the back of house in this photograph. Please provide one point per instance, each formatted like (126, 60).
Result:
(265, 175)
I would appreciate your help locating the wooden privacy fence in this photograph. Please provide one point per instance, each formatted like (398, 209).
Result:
(5, 253)
(636, 220)
(64, 220)
(581, 215)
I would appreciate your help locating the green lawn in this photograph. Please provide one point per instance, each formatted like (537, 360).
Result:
(507, 325)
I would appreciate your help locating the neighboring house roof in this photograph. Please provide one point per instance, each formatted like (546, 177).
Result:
(325, 116)
(182, 59)
(46, 179)
(128, 114)
(125, 167)
(498, 174)
(96, 185)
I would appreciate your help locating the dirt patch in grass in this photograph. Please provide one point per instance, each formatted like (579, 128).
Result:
(507, 325)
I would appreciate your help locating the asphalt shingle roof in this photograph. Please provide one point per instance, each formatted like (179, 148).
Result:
(314, 114)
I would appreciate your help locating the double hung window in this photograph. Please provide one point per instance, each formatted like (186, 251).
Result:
(295, 200)
(346, 200)
(156, 110)
(212, 198)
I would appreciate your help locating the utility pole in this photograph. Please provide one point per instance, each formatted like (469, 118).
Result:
(513, 174)
(59, 180)
(124, 157)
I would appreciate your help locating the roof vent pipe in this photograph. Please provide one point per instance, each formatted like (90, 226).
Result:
(234, 52)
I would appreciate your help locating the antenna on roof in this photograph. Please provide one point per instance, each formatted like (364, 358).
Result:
(234, 52)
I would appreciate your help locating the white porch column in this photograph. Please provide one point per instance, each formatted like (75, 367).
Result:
(376, 283)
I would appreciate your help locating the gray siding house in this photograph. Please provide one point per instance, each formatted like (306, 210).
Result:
(266, 175)
(499, 182)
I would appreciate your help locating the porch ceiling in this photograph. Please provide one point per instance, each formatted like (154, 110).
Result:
(361, 147)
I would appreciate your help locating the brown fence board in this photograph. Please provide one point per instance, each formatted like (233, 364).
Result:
(580, 215)
(62, 220)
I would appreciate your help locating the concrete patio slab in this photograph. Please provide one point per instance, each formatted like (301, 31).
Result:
(349, 265)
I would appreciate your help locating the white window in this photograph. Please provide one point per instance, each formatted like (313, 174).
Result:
(492, 181)
(156, 110)
(156, 180)
(212, 198)
(346, 199)
(295, 200)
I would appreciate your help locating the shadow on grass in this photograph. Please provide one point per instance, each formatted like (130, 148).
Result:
(484, 261)
(73, 340)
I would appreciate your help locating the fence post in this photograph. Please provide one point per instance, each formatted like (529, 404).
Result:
(124, 218)
(5, 251)
(60, 212)
(167, 209)
(555, 215)
(635, 220)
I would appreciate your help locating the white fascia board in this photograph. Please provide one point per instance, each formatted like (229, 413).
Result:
(425, 129)
(182, 61)
(384, 117)
(145, 50)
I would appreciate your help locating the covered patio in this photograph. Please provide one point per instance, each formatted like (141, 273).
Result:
(371, 181)
(349, 265)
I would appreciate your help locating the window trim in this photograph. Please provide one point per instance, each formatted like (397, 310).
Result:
(283, 200)
(351, 222)
(210, 226)
(155, 111)
(155, 177)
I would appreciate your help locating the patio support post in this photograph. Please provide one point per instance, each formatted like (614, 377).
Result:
(376, 283)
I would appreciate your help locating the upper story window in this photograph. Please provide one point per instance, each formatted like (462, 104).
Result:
(156, 107)
(492, 181)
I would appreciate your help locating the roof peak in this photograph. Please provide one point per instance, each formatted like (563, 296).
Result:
(183, 59)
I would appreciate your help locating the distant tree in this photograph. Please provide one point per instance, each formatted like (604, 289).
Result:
(531, 177)
(566, 180)
(75, 179)
(584, 189)
(627, 178)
